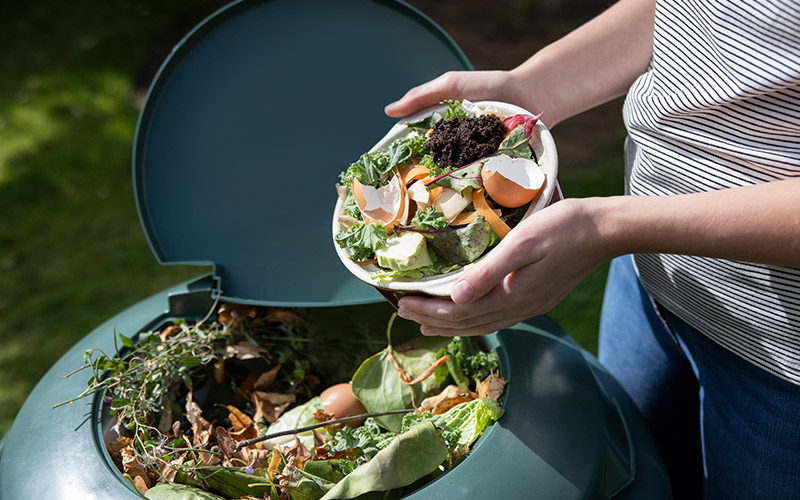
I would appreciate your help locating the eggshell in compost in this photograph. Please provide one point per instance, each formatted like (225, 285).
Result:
(512, 182)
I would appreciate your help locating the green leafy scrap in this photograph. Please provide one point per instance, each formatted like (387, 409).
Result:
(467, 361)
(429, 219)
(409, 457)
(373, 168)
(362, 239)
(368, 439)
(454, 110)
(516, 144)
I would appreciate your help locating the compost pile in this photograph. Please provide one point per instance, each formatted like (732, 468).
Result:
(195, 406)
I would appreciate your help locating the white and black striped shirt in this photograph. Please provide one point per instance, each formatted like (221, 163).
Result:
(719, 107)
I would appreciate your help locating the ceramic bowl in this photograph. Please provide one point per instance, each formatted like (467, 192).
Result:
(544, 149)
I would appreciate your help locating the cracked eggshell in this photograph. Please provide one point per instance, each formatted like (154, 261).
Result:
(512, 182)
(544, 149)
(385, 205)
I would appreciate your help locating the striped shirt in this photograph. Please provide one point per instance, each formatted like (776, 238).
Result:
(719, 107)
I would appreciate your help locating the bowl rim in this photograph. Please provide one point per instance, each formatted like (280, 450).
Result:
(440, 285)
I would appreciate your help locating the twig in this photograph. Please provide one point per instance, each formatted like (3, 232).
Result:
(350, 418)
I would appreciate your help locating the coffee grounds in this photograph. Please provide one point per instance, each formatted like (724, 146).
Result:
(457, 142)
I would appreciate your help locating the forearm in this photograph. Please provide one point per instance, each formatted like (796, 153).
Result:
(758, 223)
(592, 65)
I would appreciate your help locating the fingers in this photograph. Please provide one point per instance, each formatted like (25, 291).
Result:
(482, 277)
(504, 305)
(422, 96)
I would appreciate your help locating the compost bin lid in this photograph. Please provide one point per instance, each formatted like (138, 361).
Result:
(248, 124)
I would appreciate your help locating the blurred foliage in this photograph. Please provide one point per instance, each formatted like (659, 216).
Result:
(72, 251)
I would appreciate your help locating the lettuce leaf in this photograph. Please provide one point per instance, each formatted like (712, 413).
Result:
(470, 419)
(409, 457)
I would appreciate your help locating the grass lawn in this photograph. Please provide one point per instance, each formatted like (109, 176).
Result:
(72, 251)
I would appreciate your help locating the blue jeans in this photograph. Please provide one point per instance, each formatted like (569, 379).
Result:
(726, 428)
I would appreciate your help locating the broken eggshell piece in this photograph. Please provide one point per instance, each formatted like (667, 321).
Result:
(386, 205)
(512, 182)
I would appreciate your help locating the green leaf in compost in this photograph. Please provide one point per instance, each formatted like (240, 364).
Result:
(411, 456)
(379, 387)
(516, 144)
(169, 491)
(464, 244)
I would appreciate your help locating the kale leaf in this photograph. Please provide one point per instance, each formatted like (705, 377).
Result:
(362, 239)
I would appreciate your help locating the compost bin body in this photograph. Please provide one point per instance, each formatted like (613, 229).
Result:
(220, 122)
(568, 432)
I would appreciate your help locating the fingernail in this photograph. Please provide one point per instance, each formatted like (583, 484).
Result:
(462, 292)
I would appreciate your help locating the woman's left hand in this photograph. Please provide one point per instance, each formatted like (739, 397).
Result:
(527, 274)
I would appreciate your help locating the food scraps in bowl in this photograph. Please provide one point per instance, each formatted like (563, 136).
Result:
(440, 191)
(241, 406)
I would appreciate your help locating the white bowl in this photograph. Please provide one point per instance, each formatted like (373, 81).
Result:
(544, 149)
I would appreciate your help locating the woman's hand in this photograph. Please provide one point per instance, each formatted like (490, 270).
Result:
(527, 274)
(471, 85)
(547, 254)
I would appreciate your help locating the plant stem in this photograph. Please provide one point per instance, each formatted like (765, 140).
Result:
(350, 418)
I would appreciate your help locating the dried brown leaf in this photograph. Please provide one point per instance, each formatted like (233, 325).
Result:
(451, 396)
(239, 419)
(270, 405)
(233, 315)
(169, 471)
(166, 332)
(491, 387)
(226, 446)
(201, 428)
(296, 450)
(244, 351)
(133, 467)
(141, 484)
(274, 463)
(287, 317)
(265, 380)
(256, 458)
(115, 447)
(320, 416)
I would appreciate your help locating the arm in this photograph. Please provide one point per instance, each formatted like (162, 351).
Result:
(594, 64)
(545, 256)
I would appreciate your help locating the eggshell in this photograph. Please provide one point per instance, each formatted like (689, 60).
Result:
(512, 182)
(338, 400)
(384, 205)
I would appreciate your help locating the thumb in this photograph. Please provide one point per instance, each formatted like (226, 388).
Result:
(481, 277)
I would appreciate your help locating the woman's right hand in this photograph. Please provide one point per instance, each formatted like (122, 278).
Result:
(471, 85)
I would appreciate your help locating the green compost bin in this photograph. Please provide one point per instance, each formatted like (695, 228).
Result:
(247, 124)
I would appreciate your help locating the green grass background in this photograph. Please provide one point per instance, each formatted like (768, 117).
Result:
(72, 251)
